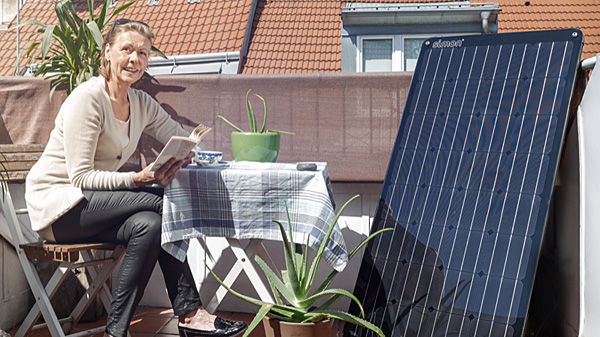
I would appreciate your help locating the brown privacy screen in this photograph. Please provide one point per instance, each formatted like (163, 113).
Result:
(348, 120)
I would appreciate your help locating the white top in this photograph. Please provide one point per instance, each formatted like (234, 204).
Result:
(84, 150)
(122, 131)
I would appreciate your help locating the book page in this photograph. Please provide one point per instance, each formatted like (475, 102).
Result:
(177, 147)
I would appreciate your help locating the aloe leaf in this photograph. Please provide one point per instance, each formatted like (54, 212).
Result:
(319, 255)
(264, 126)
(304, 272)
(313, 317)
(281, 132)
(290, 264)
(262, 312)
(312, 299)
(298, 252)
(233, 292)
(229, 123)
(346, 317)
(329, 302)
(251, 117)
(279, 309)
(333, 273)
(276, 282)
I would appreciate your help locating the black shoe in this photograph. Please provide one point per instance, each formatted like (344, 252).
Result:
(223, 328)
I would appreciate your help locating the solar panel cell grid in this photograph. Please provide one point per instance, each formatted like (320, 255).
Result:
(468, 186)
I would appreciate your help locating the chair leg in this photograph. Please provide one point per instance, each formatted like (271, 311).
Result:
(99, 276)
(42, 296)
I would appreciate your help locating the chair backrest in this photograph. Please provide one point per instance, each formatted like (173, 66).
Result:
(17, 159)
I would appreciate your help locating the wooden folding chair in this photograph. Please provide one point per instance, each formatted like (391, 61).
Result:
(19, 159)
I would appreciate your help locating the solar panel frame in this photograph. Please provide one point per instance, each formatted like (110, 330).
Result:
(455, 103)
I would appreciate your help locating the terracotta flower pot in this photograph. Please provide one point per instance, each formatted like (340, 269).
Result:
(275, 328)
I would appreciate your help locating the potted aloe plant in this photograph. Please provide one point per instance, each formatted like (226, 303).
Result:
(296, 293)
(260, 145)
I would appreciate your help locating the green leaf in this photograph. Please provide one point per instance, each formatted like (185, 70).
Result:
(281, 132)
(346, 317)
(158, 52)
(290, 264)
(47, 39)
(334, 272)
(264, 126)
(97, 35)
(102, 15)
(119, 10)
(229, 123)
(262, 312)
(282, 288)
(329, 302)
(251, 117)
(319, 255)
(342, 292)
(29, 22)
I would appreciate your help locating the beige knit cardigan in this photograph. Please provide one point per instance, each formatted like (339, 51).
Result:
(84, 151)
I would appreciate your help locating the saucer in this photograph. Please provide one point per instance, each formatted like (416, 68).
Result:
(207, 163)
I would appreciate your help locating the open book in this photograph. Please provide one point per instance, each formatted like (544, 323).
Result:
(179, 146)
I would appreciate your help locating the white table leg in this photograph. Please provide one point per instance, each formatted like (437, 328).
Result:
(244, 263)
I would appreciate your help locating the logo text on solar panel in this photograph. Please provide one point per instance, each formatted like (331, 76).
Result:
(447, 44)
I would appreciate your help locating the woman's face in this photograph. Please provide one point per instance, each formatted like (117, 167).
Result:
(128, 57)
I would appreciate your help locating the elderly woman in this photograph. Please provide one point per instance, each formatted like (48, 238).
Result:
(74, 193)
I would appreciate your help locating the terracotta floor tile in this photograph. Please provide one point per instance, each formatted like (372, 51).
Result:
(153, 312)
(170, 328)
(148, 324)
(141, 334)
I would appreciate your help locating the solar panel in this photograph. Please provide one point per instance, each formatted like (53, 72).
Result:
(468, 186)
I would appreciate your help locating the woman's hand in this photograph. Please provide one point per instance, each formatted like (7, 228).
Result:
(162, 176)
(188, 159)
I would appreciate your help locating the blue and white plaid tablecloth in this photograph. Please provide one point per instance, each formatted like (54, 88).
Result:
(240, 200)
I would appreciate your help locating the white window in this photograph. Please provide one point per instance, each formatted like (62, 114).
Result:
(389, 52)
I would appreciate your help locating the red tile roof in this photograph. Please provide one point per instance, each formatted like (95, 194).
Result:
(283, 25)
(523, 15)
(181, 28)
(294, 36)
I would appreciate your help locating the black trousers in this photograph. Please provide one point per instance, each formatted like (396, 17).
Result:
(131, 218)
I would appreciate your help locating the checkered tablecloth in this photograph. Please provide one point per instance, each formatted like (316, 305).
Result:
(240, 200)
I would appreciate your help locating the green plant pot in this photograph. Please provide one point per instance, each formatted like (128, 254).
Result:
(261, 147)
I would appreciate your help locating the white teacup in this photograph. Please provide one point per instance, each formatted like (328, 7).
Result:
(208, 157)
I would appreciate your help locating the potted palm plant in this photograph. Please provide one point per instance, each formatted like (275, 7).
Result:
(70, 51)
(259, 144)
(301, 304)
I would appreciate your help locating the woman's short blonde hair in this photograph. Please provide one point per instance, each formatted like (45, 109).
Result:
(117, 29)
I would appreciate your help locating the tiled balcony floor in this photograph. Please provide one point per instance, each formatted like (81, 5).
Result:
(150, 322)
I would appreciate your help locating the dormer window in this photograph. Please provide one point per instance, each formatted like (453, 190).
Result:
(388, 36)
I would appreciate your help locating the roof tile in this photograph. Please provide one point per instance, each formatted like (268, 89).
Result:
(170, 22)
(291, 36)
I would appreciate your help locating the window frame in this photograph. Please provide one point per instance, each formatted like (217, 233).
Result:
(397, 47)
